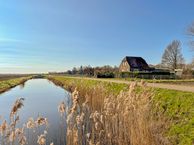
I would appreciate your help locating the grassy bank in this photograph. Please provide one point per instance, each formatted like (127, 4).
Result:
(169, 81)
(172, 111)
(4, 77)
(10, 83)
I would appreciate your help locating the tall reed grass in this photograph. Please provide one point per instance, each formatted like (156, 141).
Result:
(11, 134)
(125, 119)
(96, 117)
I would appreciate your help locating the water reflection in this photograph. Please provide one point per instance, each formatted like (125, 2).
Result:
(22, 85)
(41, 99)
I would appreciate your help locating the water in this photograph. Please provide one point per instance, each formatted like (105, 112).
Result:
(42, 98)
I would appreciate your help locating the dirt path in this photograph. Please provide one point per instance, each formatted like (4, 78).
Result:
(155, 85)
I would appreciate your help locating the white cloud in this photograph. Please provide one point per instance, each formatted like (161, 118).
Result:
(9, 40)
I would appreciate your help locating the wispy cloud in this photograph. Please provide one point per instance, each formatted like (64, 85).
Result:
(9, 40)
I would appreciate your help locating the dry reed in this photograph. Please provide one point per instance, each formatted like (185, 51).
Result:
(10, 135)
(99, 118)
(126, 119)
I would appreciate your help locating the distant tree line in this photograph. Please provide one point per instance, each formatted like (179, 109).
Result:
(106, 71)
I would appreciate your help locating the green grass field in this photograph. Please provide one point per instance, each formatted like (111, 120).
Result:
(176, 106)
(10, 83)
(171, 81)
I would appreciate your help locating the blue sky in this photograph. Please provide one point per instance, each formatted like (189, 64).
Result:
(56, 35)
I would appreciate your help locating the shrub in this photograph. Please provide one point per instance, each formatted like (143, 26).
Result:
(105, 75)
(147, 75)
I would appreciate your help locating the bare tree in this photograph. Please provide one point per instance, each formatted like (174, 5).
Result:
(172, 57)
(192, 64)
(190, 32)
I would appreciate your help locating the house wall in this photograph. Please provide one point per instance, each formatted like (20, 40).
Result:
(124, 67)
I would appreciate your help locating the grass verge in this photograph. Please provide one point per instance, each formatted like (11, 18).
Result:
(171, 81)
(8, 84)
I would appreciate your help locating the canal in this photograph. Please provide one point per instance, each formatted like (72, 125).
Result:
(42, 98)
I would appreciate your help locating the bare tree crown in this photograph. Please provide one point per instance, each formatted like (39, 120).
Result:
(172, 57)
(190, 32)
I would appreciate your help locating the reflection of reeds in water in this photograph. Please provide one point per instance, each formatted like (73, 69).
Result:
(62, 130)
(11, 135)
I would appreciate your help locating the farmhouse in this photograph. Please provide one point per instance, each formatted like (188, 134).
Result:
(131, 63)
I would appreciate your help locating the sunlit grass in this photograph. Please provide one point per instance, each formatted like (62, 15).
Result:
(7, 84)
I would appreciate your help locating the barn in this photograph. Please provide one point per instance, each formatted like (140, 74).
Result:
(132, 63)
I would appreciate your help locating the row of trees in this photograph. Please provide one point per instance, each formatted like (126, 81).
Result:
(94, 71)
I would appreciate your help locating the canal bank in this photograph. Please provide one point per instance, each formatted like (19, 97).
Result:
(11, 83)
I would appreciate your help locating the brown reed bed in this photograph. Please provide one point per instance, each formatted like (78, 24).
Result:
(125, 119)
(96, 117)
(172, 111)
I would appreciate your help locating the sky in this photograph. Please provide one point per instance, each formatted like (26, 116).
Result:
(57, 35)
